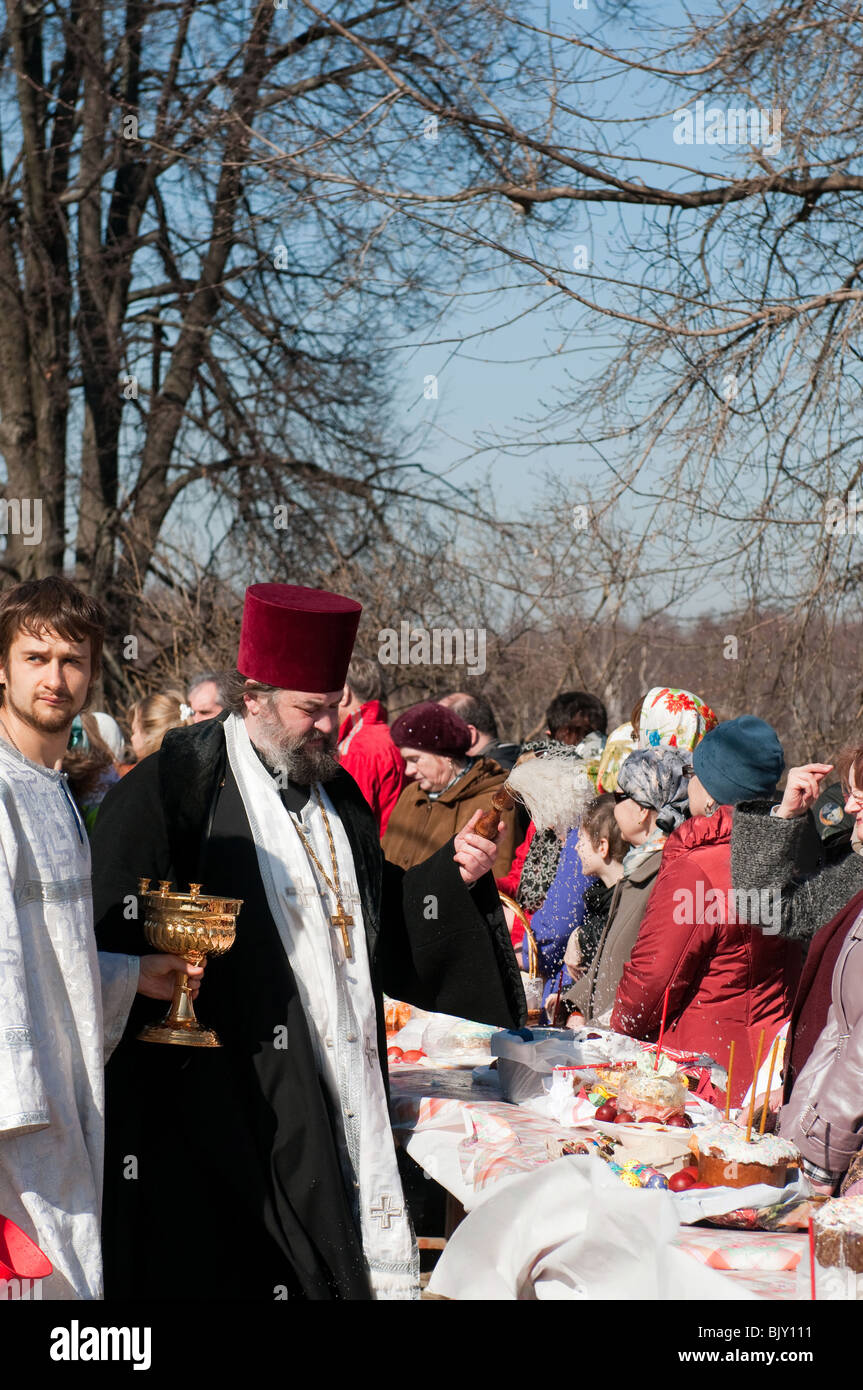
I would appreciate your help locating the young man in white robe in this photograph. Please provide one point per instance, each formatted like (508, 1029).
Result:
(63, 1006)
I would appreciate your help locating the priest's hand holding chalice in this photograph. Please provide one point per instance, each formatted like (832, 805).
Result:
(188, 926)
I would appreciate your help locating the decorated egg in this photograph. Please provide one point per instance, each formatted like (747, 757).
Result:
(651, 1177)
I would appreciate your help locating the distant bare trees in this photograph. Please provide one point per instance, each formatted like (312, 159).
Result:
(688, 200)
(191, 342)
(213, 220)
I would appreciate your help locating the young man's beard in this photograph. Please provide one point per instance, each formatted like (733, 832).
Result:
(287, 753)
(46, 722)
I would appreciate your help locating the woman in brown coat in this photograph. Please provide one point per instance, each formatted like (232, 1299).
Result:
(443, 788)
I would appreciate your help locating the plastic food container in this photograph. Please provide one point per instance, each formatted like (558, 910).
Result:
(525, 1059)
(643, 1093)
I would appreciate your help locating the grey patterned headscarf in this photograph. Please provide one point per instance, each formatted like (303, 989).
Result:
(658, 778)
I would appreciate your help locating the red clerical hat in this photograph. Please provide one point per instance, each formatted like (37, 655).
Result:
(296, 638)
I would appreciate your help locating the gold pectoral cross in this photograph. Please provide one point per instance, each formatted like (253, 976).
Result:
(343, 920)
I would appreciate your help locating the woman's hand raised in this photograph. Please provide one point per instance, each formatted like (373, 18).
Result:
(802, 788)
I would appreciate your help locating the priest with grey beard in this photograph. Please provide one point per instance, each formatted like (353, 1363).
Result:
(279, 1140)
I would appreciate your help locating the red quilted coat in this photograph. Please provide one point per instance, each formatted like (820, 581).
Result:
(367, 752)
(727, 981)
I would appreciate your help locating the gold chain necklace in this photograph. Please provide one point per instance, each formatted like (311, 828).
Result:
(341, 919)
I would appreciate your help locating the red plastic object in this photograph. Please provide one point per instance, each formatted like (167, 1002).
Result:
(20, 1257)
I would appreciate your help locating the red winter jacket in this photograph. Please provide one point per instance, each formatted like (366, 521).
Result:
(727, 981)
(509, 882)
(367, 752)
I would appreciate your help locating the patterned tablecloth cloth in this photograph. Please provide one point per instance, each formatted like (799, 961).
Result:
(464, 1136)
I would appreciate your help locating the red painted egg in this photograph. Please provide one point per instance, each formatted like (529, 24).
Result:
(681, 1181)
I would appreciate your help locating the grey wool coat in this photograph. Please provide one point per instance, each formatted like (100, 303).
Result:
(781, 858)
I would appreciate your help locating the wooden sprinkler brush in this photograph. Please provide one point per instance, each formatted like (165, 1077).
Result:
(487, 823)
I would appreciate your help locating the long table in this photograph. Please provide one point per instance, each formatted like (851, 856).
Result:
(468, 1139)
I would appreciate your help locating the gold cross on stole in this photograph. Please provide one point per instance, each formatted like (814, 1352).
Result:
(343, 920)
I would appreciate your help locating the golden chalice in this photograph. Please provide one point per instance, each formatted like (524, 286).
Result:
(192, 925)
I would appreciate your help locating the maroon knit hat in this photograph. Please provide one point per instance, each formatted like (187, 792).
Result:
(431, 728)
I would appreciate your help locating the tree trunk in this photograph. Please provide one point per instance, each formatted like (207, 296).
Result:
(42, 243)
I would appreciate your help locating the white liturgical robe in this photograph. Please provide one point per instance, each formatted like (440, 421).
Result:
(63, 1007)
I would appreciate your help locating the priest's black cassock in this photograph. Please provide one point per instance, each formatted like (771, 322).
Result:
(222, 1172)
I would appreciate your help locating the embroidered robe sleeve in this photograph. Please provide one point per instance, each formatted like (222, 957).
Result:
(23, 1094)
(119, 977)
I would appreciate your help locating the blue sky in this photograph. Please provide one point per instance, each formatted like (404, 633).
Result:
(497, 380)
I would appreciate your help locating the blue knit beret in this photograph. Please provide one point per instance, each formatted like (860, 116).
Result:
(740, 760)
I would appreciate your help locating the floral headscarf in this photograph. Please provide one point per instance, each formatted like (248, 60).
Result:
(673, 718)
(621, 742)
